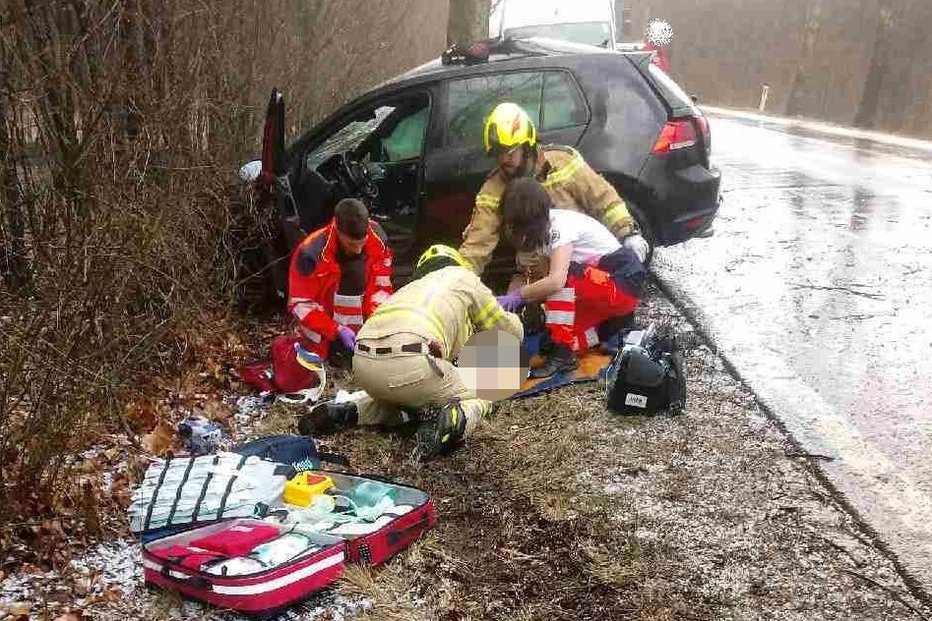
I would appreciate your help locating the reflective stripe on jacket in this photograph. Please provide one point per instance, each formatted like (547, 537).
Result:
(314, 279)
(446, 306)
(569, 181)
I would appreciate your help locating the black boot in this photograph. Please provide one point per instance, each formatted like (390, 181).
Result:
(559, 360)
(445, 432)
(328, 417)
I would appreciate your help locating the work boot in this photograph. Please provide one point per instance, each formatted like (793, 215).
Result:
(559, 360)
(328, 417)
(445, 432)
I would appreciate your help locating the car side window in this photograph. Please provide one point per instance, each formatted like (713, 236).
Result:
(407, 137)
(349, 136)
(471, 100)
(563, 104)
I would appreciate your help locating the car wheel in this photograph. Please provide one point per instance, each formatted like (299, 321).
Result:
(644, 228)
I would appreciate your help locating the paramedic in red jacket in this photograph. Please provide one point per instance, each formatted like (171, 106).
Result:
(339, 275)
(657, 36)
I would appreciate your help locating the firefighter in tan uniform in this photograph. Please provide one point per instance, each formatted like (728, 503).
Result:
(404, 351)
(563, 173)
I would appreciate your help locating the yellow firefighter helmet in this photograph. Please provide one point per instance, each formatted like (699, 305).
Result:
(507, 127)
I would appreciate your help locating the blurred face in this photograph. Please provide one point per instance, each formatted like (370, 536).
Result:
(511, 161)
(349, 245)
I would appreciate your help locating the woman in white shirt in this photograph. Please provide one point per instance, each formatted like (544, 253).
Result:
(593, 277)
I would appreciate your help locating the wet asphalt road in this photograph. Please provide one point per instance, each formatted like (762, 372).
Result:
(817, 286)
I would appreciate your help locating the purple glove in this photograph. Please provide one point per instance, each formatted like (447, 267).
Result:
(347, 337)
(511, 302)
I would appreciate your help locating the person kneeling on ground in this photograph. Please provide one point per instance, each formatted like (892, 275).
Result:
(403, 354)
(593, 277)
(338, 277)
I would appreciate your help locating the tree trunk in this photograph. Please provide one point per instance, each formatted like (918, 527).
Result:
(873, 83)
(14, 266)
(468, 22)
(800, 88)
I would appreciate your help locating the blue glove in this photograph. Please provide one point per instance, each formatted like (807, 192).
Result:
(347, 337)
(511, 302)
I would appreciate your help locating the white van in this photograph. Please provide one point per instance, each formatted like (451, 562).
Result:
(591, 22)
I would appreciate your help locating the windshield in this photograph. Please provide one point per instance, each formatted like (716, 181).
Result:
(590, 33)
(347, 138)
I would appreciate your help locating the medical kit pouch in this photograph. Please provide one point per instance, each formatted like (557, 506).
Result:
(191, 490)
(647, 375)
(269, 577)
(285, 553)
(290, 370)
(300, 452)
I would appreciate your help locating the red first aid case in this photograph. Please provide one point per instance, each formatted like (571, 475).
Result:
(214, 564)
(256, 592)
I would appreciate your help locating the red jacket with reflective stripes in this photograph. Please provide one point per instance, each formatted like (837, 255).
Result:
(660, 58)
(314, 278)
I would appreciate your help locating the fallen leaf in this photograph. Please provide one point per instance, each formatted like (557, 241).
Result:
(70, 616)
(142, 414)
(217, 411)
(110, 596)
(161, 440)
(20, 608)
(214, 369)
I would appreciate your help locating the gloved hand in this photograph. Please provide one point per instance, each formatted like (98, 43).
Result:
(347, 337)
(511, 302)
(637, 244)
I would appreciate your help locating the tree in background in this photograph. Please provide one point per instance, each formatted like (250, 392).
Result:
(896, 84)
(800, 88)
(870, 99)
(468, 21)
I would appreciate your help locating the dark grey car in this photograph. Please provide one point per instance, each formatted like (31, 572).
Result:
(412, 147)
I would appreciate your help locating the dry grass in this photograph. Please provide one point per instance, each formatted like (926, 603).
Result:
(389, 593)
(558, 510)
(122, 244)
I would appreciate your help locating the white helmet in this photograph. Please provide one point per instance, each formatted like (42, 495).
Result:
(659, 32)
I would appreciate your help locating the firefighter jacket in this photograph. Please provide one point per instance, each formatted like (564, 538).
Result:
(445, 307)
(569, 181)
(314, 280)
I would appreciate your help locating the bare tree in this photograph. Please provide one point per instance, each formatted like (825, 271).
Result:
(800, 88)
(870, 99)
(468, 21)
(13, 266)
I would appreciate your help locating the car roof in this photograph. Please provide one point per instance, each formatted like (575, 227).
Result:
(503, 55)
(507, 55)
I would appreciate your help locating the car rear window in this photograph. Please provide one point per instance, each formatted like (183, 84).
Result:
(551, 99)
(675, 96)
(563, 104)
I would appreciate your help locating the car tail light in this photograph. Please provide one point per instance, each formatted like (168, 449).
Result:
(695, 223)
(678, 134)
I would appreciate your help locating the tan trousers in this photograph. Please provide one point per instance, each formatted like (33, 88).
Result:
(399, 381)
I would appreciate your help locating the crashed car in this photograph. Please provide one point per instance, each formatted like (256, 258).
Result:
(412, 147)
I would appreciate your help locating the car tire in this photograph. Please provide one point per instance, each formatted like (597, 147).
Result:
(644, 228)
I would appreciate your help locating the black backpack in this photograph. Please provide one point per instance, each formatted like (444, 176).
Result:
(647, 375)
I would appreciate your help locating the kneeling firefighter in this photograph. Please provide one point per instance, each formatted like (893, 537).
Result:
(403, 354)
